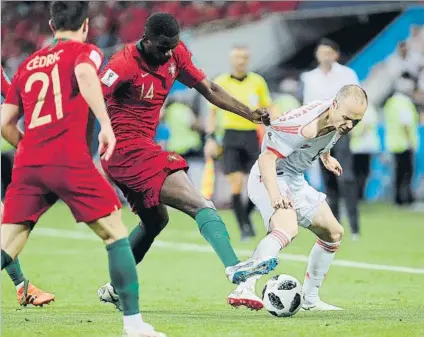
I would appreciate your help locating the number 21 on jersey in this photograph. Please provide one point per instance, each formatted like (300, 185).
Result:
(45, 80)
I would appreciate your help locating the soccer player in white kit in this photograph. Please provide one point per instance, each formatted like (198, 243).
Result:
(278, 188)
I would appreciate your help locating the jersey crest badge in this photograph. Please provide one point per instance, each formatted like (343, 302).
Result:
(172, 70)
(173, 157)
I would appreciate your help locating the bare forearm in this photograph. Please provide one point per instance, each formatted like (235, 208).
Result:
(222, 99)
(12, 134)
(267, 168)
(91, 90)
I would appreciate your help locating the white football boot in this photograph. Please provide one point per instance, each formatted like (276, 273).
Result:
(146, 330)
(107, 294)
(245, 297)
(318, 306)
(243, 270)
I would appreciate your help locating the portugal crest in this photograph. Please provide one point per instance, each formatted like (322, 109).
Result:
(172, 70)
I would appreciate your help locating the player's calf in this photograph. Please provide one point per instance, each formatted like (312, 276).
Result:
(282, 230)
(110, 228)
(13, 239)
(121, 266)
(329, 233)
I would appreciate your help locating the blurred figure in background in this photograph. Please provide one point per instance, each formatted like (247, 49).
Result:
(287, 100)
(324, 82)
(184, 129)
(364, 143)
(401, 118)
(240, 143)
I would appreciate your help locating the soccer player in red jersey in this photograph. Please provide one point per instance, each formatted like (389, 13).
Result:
(136, 82)
(27, 293)
(5, 84)
(55, 88)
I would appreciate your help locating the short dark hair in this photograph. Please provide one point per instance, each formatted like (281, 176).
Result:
(329, 43)
(162, 24)
(68, 15)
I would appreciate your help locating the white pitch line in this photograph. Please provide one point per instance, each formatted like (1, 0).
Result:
(191, 247)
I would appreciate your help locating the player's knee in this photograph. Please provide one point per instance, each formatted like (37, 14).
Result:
(162, 223)
(236, 182)
(285, 220)
(201, 204)
(110, 228)
(335, 233)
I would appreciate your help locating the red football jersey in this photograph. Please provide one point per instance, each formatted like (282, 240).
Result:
(55, 112)
(5, 83)
(135, 93)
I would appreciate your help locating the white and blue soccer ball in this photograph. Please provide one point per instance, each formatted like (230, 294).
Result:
(282, 296)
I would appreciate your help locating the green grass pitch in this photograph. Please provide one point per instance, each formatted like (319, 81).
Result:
(184, 290)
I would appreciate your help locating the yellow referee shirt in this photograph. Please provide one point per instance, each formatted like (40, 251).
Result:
(252, 91)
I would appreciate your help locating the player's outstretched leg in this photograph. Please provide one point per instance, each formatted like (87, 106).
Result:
(26, 292)
(178, 192)
(329, 233)
(282, 229)
(153, 220)
(123, 273)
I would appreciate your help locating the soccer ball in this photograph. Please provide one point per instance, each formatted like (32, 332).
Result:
(282, 296)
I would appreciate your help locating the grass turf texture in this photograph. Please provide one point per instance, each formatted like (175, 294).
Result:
(183, 293)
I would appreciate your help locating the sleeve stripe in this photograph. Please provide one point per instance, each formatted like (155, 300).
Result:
(278, 154)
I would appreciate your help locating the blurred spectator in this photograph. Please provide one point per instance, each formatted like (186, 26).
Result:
(404, 61)
(184, 129)
(286, 100)
(364, 143)
(25, 24)
(401, 118)
(162, 131)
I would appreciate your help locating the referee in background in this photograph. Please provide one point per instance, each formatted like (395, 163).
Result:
(240, 143)
(321, 83)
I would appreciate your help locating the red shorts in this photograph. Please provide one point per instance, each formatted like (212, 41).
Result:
(34, 190)
(140, 169)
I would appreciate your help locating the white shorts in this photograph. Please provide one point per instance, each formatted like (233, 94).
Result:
(306, 200)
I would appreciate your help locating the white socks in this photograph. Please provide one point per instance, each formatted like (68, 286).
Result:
(20, 285)
(134, 322)
(270, 246)
(320, 259)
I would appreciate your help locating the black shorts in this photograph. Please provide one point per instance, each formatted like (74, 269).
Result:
(241, 150)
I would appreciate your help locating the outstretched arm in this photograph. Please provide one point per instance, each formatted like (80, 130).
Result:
(222, 99)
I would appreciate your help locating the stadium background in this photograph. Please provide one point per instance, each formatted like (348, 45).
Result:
(281, 37)
(378, 279)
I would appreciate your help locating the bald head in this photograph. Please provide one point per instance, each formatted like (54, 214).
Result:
(354, 92)
(350, 105)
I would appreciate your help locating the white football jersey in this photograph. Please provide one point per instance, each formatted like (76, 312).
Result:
(295, 152)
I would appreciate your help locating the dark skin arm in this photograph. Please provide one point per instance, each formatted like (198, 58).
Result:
(222, 99)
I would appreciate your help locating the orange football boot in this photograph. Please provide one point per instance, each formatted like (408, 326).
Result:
(29, 294)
